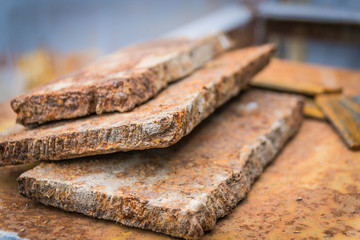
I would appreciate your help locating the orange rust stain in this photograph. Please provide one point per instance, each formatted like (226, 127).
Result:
(311, 191)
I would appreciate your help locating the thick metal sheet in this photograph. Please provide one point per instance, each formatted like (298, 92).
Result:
(118, 82)
(158, 123)
(180, 190)
(344, 114)
(297, 78)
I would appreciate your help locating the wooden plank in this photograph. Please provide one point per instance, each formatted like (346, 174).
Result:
(344, 114)
(181, 190)
(160, 122)
(297, 78)
(118, 82)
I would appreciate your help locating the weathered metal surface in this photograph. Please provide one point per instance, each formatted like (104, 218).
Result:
(315, 167)
(311, 191)
(312, 110)
(344, 114)
(181, 190)
(160, 122)
(298, 78)
(118, 82)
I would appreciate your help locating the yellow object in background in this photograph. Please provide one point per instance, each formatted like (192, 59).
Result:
(41, 66)
(37, 68)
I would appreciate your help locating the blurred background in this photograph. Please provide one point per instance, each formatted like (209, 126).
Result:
(43, 39)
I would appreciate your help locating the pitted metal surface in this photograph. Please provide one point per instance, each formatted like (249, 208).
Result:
(118, 82)
(311, 191)
(158, 123)
(181, 190)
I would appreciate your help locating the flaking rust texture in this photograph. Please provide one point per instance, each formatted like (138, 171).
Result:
(298, 78)
(315, 167)
(344, 114)
(311, 191)
(118, 82)
(159, 123)
(181, 190)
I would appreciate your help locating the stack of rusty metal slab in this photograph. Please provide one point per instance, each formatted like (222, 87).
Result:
(172, 172)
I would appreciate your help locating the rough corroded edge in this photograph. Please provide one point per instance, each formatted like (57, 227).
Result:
(105, 97)
(175, 222)
(139, 135)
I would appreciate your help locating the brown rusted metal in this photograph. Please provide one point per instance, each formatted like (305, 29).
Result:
(312, 110)
(159, 123)
(298, 78)
(315, 167)
(181, 190)
(311, 191)
(118, 82)
(344, 114)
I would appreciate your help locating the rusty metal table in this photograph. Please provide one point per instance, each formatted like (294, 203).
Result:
(311, 191)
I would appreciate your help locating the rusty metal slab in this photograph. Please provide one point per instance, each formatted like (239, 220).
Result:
(312, 110)
(159, 123)
(118, 82)
(181, 190)
(298, 78)
(344, 114)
